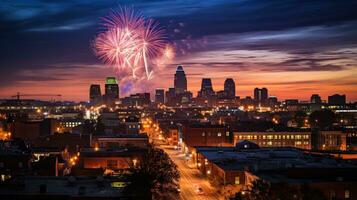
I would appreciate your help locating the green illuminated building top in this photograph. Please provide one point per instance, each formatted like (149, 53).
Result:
(111, 81)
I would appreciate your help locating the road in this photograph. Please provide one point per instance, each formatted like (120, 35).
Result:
(190, 178)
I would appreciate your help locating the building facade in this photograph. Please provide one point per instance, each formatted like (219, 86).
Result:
(180, 81)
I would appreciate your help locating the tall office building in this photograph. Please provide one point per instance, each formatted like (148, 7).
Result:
(95, 95)
(111, 90)
(230, 88)
(206, 88)
(261, 95)
(170, 96)
(337, 99)
(160, 96)
(180, 82)
(315, 99)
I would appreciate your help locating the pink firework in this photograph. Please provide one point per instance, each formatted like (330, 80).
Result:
(130, 41)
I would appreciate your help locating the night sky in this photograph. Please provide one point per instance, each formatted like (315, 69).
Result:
(293, 47)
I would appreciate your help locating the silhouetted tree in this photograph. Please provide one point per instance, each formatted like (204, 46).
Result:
(322, 119)
(156, 177)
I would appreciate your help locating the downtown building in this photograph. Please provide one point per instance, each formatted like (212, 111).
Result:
(261, 96)
(95, 94)
(178, 95)
(111, 91)
(159, 96)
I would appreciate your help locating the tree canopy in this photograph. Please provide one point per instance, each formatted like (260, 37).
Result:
(155, 177)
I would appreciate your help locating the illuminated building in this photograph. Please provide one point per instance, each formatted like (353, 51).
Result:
(180, 81)
(95, 95)
(276, 139)
(111, 90)
(238, 167)
(204, 134)
(115, 160)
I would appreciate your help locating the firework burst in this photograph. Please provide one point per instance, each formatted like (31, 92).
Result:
(130, 41)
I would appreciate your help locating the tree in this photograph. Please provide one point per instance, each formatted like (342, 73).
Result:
(155, 177)
(322, 119)
(262, 190)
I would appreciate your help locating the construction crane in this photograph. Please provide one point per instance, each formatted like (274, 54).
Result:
(18, 95)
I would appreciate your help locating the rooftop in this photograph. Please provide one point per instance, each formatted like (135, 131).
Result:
(231, 158)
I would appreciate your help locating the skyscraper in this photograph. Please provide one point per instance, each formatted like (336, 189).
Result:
(180, 82)
(206, 86)
(315, 99)
(95, 95)
(160, 96)
(230, 88)
(111, 90)
(261, 95)
(170, 96)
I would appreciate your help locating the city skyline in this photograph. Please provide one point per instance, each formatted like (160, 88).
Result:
(311, 51)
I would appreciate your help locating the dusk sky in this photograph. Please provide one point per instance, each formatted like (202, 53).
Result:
(293, 47)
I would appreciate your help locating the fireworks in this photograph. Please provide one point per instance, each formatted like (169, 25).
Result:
(130, 41)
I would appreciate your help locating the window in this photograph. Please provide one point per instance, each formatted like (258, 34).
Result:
(21, 164)
(347, 194)
(237, 180)
(203, 134)
(219, 134)
(227, 134)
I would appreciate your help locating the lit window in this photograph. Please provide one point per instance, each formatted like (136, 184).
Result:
(270, 143)
(347, 194)
(227, 133)
(203, 134)
(237, 180)
(219, 134)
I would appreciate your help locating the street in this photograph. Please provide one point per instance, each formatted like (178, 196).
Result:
(190, 177)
